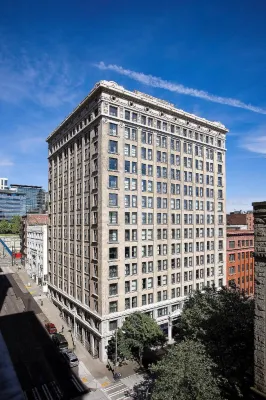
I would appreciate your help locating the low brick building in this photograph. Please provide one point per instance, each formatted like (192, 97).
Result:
(241, 218)
(240, 260)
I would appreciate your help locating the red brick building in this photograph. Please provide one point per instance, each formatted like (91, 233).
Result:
(241, 218)
(239, 259)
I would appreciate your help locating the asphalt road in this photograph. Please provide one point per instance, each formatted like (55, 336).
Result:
(40, 368)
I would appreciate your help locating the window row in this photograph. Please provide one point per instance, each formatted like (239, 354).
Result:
(162, 125)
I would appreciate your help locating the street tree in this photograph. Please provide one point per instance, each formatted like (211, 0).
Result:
(15, 224)
(223, 322)
(186, 372)
(5, 227)
(138, 334)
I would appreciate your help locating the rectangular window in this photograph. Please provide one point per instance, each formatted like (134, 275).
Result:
(113, 306)
(113, 162)
(113, 146)
(113, 235)
(113, 271)
(127, 166)
(113, 111)
(113, 181)
(113, 200)
(113, 325)
(113, 217)
(112, 129)
(113, 253)
(113, 289)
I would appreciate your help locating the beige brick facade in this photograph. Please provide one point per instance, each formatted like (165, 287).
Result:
(137, 211)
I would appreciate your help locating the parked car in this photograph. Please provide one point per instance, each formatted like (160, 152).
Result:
(60, 341)
(51, 328)
(70, 358)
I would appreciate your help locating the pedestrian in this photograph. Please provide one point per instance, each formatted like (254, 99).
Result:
(63, 328)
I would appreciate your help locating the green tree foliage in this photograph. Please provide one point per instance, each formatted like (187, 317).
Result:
(15, 224)
(5, 227)
(10, 227)
(186, 373)
(138, 333)
(223, 322)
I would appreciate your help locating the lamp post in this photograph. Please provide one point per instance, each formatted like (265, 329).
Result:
(115, 348)
(12, 255)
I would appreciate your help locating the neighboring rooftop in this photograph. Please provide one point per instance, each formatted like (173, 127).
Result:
(25, 186)
(37, 219)
(239, 232)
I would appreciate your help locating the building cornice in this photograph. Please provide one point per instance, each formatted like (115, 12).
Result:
(144, 98)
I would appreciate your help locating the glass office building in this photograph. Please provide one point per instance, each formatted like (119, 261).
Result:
(11, 203)
(35, 197)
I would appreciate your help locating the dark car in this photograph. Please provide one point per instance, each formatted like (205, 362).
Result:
(51, 328)
(70, 358)
(60, 341)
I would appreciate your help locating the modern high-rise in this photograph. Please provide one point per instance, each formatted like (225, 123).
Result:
(11, 204)
(35, 197)
(137, 211)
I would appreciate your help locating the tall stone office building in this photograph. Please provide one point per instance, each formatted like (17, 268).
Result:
(137, 211)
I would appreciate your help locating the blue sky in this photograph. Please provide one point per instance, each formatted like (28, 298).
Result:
(50, 55)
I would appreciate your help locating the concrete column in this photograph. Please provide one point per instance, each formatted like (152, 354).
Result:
(170, 329)
(92, 343)
(260, 299)
(102, 351)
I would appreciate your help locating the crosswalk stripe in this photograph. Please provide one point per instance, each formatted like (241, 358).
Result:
(113, 386)
(117, 392)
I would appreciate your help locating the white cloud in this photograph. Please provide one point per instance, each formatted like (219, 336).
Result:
(46, 81)
(5, 162)
(255, 141)
(154, 81)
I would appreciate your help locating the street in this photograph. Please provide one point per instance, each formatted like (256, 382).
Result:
(40, 369)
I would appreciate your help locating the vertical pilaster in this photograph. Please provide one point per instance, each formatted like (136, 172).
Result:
(260, 297)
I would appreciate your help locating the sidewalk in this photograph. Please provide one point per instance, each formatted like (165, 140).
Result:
(97, 368)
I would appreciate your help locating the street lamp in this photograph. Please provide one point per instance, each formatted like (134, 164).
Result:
(12, 255)
(115, 347)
